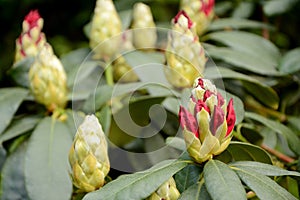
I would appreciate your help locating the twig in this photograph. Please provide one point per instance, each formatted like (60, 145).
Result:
(278, 154)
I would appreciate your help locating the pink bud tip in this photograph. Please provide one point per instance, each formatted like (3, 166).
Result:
(32, 18)
(208, 7)
(230, 118)
(182, 12)
(217, 119)
(188, 121)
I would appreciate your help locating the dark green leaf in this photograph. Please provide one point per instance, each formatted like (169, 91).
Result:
(220, 181)
(239, 151)
(259, 90)
(18, 127)
(243, 10)
(46, 161)
(264, 169)
(290, 63)
(13, 182)
(278, 127)
(19, 72)
(195, 192)
(263, 186)
(187, 177)
(139, 185)
(10, 100)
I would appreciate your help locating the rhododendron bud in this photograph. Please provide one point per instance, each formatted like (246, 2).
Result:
(184, 54)
(166, 191)
(48, 81)
(122, 71)
(144, 32)
(105, 32)
(31, 40)
(88, 156)
(200, 11)
(208, 121)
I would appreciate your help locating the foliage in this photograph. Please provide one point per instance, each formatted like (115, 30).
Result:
(250, 61)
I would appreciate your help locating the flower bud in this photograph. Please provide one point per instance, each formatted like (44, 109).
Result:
(207, 123)
(105, 32)
(31, 40)
(144, 32)
(166, 191)
(184, 54)
(48, 81)
(200, 11)
(122, 71)
(88, 156)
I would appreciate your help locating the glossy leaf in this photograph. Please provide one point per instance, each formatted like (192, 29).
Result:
(195, 192)
(10, 100)
(139, 185)
(239, 151)
(263, 186)
(287, 133)
(220, 181)
(12, 176)
(46, 161)
(290, 62)
(187, 177)
(259, 90)
(264, 169)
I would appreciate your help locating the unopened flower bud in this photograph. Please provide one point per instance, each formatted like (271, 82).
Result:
(208, 121)
(105, 32)
(166, 191)
(88, 156)
(122, 71)
(48, 81)
(200, 11)
(144, 32)
(184, 54)
(32, 39)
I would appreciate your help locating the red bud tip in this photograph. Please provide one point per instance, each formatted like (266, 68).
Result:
(217, 119)
(188, 121)
(182, 12)
(207, 7)
(230, 118)
(32, 18)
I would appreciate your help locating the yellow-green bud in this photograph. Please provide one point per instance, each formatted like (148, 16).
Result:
(31, 40)
(105, 32)
(88, 156)
(144, 32)
(122, 71)
(48, 81)
(200, 11)
(208, 121)
(184, 54)
(166, 191)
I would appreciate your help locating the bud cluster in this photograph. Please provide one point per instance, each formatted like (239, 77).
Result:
(166, 191)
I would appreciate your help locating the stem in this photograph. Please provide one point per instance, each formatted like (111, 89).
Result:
(278, 154)
(109, 75)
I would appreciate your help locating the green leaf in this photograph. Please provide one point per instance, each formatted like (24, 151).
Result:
(278, 127)
(139, 185)
(195, 192)
(12, 176)
(10, 100)
(46, 161)
(249, 44)
(243, 10)
(264, 169)
(259, 90)
(19, 72)
(239, 151)
(74, 120)
(290, 63)
(187, 177)
(243, 60)
(263, 186)
(276, 7)
(104, 117)
(220, 181)
(126, 18)
(176, 142)
(18, 127)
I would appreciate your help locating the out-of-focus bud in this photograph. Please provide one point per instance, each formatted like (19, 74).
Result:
(144, 32)
(122, 71)
(88, 156)
(208, 122)
(31, 40)
(166, 191)
(105, 37)
(200, 11)
(48, 81)
(184, 54)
